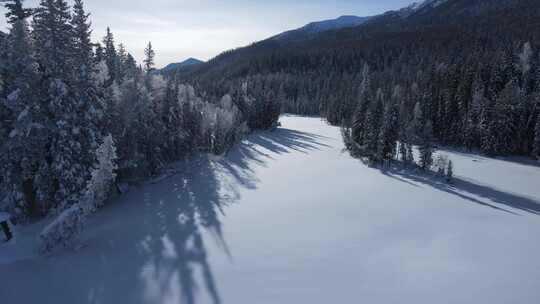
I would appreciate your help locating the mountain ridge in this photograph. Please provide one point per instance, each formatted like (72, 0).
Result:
(190, 62)
(316, 27)
(411, 18)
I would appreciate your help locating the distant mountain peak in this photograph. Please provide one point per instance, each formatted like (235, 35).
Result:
(186, 63)
(191, 61)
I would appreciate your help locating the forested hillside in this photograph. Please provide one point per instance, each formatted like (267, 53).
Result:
(74, 114)
(461, 73)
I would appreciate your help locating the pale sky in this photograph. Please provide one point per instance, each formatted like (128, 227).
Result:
(180, 29)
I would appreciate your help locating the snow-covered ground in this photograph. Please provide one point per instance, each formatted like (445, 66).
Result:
(289, 217)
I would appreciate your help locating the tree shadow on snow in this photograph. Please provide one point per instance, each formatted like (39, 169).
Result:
(260, 148)
(286, 141)
(466, 189)
(149, 245)
(477, 156)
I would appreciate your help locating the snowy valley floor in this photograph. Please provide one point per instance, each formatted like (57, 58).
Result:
(289, 217)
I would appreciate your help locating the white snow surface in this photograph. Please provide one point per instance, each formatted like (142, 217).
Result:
(289, 217)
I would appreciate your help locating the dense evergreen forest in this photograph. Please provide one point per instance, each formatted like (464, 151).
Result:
(75, 114)
(462, 73)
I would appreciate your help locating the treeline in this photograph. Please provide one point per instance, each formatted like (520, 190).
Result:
(64, 98)
(473, 83)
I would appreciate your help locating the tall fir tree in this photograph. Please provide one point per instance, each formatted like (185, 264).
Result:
(499, 138)
(53, 34)
(373, 127)
(82, 44)
(110, 56)
(66, 162)
(149, 54)
(89, 106)
(426, 146)
(16, 11)
(22, 151)
(389, 133)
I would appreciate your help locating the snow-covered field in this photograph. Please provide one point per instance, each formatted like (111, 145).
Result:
(289, 217)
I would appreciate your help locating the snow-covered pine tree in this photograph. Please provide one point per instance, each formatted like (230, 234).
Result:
(68, 157)
(450, 171)
(474, 115)
(65, 230)
(389, 133)
(358, 130)
(110, 56)
(357, 126)
(410, 154)
(103, 176)
(500, 136)
(16, 11)
(122, 59)
(23, 150)
(19, 68)
(89, 108)
(131, 68)
(149, 54)
(417, 124)
(172, 116)
(426, 146)
(53, 34)
(373, 127)
(82, 45)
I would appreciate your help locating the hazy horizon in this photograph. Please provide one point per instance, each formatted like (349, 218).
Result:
(203, 29)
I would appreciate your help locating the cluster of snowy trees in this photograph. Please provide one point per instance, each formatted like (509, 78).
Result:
(76, 115)
(495, 110)
(381, 130)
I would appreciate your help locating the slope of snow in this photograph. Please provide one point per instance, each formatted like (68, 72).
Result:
(288, 217)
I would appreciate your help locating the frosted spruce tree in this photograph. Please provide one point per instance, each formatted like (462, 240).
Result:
(358, 130)
(373, 127)
(389, 135)
(450, 171)
(71, 133)
(86, 96)
(103, 176)
(25, 122)
(65, 230)
(149, 54)
(122, 63)
(426, 146)
(110, 56)
(498, 138)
